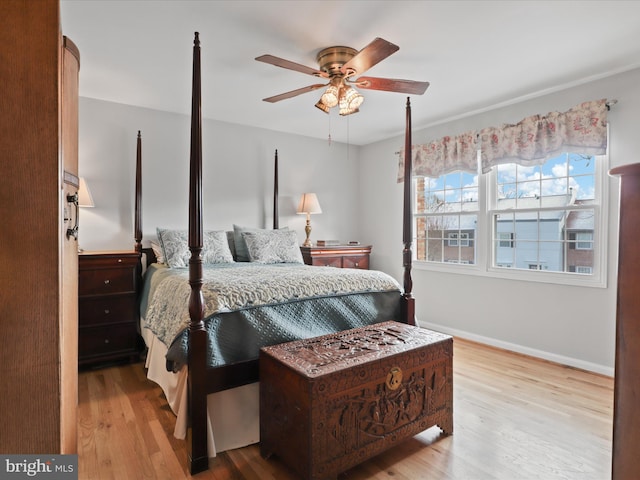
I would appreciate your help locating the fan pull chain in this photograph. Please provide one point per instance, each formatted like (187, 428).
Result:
(348, 140)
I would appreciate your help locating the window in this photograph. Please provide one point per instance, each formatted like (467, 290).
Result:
(583, 270)
(543, 219)
(447, 215)
(456, 239)
(550, 209)
(505, 239)
(583, 240)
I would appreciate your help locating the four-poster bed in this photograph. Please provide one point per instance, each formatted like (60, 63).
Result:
(203, 375)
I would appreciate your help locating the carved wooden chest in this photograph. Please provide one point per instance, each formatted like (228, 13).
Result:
(329, 403)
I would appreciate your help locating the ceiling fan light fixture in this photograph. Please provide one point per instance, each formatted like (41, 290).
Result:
(332, 93)
(350, 100)
(348, 111)
(355, 99)
(322, 106)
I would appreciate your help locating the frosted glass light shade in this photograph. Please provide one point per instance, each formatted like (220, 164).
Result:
(330, 96)
(322, 106)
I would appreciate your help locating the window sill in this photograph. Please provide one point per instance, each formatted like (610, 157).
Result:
(537, 276)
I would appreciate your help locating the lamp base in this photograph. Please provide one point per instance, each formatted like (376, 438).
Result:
(307, 230)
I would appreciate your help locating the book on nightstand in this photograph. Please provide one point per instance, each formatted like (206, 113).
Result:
(327, 243)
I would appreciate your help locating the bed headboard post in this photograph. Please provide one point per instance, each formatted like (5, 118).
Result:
(138, 201)
(275, 193)
(408, 303)
(199, 460)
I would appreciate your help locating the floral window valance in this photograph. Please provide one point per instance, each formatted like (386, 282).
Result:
(445, 155)
(532, 141)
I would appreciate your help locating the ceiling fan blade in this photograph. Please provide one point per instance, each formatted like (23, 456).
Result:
(281, 62)
(294, 93)
(369, 56)
(392, 85)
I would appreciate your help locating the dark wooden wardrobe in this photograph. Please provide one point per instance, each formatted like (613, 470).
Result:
(626, 407)
(38, 260)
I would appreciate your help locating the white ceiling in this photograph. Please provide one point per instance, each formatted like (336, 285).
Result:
(477, 55)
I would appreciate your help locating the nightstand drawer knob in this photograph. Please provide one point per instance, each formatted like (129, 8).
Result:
(119, 260)
(106, 340)
(107, 282)
(357, 264)
(106, 311)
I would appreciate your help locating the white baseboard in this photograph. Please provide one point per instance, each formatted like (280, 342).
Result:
(552, 357)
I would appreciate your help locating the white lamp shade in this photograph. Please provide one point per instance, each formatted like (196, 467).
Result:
(309, 204)
(84, 195)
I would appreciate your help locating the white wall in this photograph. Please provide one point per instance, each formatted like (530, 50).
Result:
(573, 325)
(237, 170)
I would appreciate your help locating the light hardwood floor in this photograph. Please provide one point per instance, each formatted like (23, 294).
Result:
(515, 417)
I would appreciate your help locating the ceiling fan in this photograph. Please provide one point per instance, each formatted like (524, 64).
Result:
(341, 66)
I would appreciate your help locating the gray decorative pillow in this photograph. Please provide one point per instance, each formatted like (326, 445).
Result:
(242, 254)
(231, 242)
(175, 247)
(273, 246)
(215, 248)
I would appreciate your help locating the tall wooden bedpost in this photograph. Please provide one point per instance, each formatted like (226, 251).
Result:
(197, 443)
(138, 202)
(275, 193)
(408, 302)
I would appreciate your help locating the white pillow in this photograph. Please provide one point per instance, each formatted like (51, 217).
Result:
(273, 246)
(157, 251)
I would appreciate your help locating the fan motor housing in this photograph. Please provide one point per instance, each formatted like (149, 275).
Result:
(331, 59)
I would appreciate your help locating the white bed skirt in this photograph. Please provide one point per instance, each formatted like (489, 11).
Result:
(233, 415)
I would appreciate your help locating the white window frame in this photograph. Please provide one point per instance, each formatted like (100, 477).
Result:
(483, 265)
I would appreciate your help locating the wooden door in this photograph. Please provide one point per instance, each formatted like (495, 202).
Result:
(38, 276)
(68, 238)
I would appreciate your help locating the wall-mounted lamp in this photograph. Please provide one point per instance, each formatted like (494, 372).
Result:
(308, 204)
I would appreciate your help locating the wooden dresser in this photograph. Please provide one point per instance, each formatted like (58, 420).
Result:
(626, 420)
(341, 256)
(108, 307)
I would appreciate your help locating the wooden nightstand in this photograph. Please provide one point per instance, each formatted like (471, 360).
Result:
(107, 306)
(341, 256)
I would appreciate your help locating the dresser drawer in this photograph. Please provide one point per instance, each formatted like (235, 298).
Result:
(356, 261)
(340, 256)
(112, 340)
(104, 281)
(328, 261)
(107, 310)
